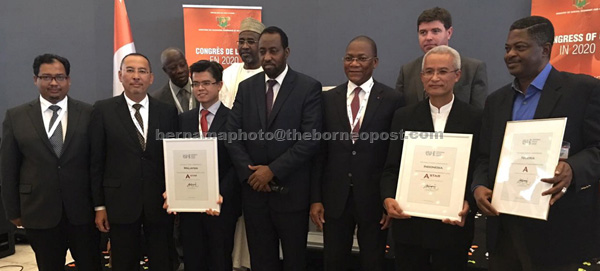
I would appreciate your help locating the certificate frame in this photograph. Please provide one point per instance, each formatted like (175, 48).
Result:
(433, 175)
(191, 174)
(530, 152)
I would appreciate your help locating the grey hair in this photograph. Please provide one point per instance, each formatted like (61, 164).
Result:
(444, 50)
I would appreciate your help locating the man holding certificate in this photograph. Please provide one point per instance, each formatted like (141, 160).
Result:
(539, 92)
(422, 242)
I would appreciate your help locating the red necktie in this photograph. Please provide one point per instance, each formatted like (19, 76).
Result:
(203, 121)
(355, 105)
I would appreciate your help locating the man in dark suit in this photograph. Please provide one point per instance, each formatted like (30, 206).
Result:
(127, 168)
(435, 28)
(281, 103)
(45, 170)
(540, 91)
(345, 188)
(178, 91)
(421, 243)
(208, 240)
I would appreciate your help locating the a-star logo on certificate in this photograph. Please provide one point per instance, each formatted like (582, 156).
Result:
(223, 22)
(579, 4)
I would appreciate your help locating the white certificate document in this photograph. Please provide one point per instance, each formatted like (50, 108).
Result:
(191, 174)
(433, 174)
(530, 152)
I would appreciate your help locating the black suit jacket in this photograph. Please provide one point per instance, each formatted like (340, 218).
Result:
(36, 184)
(229, 186)
(431, 233)
(364, 159)
(471, 88)
(297, 109)
(125, 178)
(567, 236)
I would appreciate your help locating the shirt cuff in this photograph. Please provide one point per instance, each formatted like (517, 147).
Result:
(99, 208)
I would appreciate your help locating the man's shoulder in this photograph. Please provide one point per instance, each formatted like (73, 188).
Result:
(233, 68)
(105, 102)
(465, 60)
(301, 77)
(157, 93)
(24, 106)
(83, 106)
(411, 64)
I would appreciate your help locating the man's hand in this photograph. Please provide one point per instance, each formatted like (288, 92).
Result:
(17, 222)
(165, 205)
(215, 212)
(463, 216)
(393, 209)
(385, 221)
(563, 175)
(317, 214)
(102, 221)
(483, 197)
(259, 180)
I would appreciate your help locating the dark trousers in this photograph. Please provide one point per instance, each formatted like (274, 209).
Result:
(207, 241)
(50, 246)
(338, 237)
(125, 242)
(417, 258)
(265, 228)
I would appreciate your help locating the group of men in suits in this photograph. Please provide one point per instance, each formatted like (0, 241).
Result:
(67, 166)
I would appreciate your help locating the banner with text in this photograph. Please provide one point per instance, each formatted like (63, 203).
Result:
(211, 32)
(577, 33)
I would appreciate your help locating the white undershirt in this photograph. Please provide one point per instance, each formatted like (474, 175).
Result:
(440, 116)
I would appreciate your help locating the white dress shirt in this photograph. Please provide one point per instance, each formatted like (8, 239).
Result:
(440, 115)
(211, 115)
(47, 114)
(363, 96)
(277, 86)
(143, 112)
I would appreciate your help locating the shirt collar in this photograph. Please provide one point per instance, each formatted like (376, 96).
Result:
(279, 77)
(177, 89)
(442, 110)
(143, 102)
(366, 86)
(45, 103)
(539, 80)
(212, 109)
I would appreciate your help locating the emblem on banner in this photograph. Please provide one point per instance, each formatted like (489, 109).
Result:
(580, 3)
(223, 22)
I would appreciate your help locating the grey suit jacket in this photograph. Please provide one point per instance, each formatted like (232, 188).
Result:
(164, 95)
(36, 184)
(471, 88)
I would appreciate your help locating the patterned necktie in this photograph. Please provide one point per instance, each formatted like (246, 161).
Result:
(355, 105)
(138, 118)
(56, 139)
(269, 98)
(203, 121)
(184, 99)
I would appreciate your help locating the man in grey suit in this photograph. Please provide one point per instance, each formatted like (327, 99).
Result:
(178, 91)
(435, 28)
(45, 156)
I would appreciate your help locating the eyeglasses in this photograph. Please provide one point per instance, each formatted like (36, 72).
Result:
(362, 59)
(132, 71)
(49, 78)
(440, 73)
(204, 84)
(249, 42)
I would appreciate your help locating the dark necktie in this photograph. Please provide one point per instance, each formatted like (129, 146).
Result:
(184, 99)
(269, 98)
(56, 139)
(203, 121)
(355, 105)
(138, 118)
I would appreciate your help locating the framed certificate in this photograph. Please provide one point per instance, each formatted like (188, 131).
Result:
(433, 174)
(530, 152)
(191, 174)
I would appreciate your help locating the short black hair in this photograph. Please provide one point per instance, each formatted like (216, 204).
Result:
(538, 28)
(435, 14)
(367, 40)
(214, 68)
(49, 59)
(136, 54)
(276, 30)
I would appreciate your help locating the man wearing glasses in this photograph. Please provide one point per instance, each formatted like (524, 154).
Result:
(178, 91)
(435, 28)
(45, 170)
(128, 171)
(345, 190)
(250, 30)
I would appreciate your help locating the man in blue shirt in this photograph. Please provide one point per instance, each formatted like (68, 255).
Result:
(539, 91)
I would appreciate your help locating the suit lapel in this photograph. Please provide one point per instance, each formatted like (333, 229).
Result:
(423, 120)
(340, 105)
(35, 114)
(219, 119)
(260, 90)
(122, 111)
(372, 105)
(74, 114)
(421, 90)
(454, 122)
(549, 96)
(284, 92)
(153, 121)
